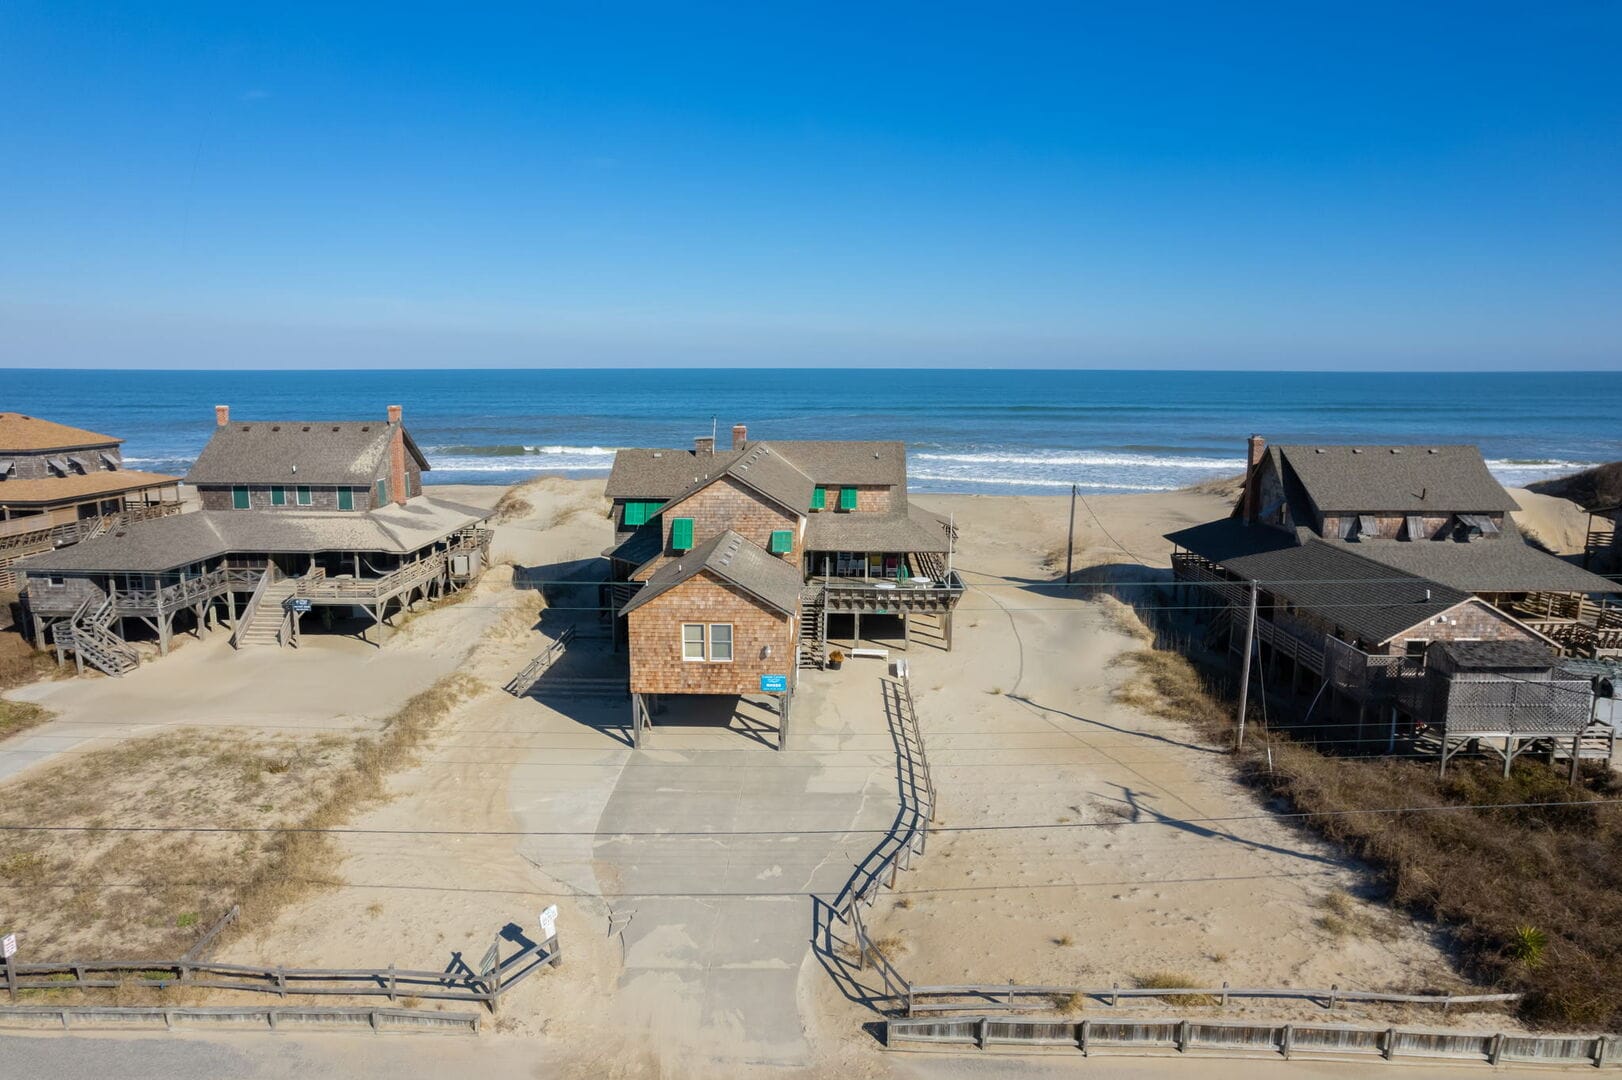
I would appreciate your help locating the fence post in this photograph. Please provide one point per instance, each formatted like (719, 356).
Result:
(1114, 994)
(980, 1031)
(909, 999)
(391, 980)
(556, 955)
(1182, 1037)
(1599, 1051)
(281, 981)
(1085, 1029)
(1390, 1043)
(1496, 1049)
(11, 977)
(1448, 1000)
(1224, 993)
(1334, 995)
(1289, 1041)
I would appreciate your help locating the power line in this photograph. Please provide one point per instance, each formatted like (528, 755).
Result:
(1160, 820)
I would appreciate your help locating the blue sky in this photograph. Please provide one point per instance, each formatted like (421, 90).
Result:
(1282, 186)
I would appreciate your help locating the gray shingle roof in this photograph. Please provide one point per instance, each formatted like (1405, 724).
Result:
(910, 530)
(160, 544)
(734, 560)
(1504, 564)
(1366, 599)
(644, 544)
(660, 474)
(347, 452)
(829, 461)
(664, 474)
(1397, 479)
(1498, 655)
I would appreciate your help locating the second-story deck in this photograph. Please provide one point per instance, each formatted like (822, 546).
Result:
(887, 595)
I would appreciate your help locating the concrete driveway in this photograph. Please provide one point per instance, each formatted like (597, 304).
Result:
(715, 925)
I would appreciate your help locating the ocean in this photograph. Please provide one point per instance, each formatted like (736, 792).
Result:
(980, 431)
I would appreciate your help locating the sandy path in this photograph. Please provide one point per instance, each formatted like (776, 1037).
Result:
(1100, 868)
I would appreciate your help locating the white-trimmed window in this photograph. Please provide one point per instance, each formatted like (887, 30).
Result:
(712, 642)
(692, 641)
(721, 643)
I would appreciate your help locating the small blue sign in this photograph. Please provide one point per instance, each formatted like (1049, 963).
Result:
(774, 684)
(300, 604)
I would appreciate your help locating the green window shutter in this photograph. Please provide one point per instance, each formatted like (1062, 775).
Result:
(239, 498)
(278, 496)
(681, 534)
(782, 541)
(640, 512)
(346, 498)
(303, 495)
(382, 493)
(819, 498)
(847, 498)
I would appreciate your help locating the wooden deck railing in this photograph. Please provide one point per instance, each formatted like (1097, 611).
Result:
(373, 590)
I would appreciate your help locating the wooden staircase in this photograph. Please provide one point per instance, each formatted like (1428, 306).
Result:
(89, 637)
(264, 626)
(813, 627)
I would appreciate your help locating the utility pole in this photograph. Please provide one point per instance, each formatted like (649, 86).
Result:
(1244, 681)
(1070, 543)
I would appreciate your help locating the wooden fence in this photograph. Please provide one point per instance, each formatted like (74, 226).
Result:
(896, 851)
(1237, 1037)
(1013, 998)
(77, 1017)
(495, 976)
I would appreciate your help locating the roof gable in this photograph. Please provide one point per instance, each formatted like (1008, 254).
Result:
(729, 558)
(760, 468)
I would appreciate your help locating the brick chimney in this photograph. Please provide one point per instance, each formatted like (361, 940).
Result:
(740, 435)
(222, 415)
(1253, 457)
(397, 458)
(704, 445)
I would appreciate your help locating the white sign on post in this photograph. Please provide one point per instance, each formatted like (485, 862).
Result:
(8, 946)
(549, 923)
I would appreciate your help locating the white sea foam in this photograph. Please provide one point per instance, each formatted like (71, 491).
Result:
(1094, 459)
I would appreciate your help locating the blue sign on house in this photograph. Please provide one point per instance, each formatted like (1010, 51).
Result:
(774, 684)
(300, 604)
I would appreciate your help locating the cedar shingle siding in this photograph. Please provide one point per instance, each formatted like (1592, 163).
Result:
(218, 497)
(657, 666)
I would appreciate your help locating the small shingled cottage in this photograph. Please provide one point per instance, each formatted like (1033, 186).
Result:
(730, 566)
(297, 517)
(1360, 559)
(60, 485)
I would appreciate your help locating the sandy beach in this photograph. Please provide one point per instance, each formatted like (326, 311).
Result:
(1085, 853)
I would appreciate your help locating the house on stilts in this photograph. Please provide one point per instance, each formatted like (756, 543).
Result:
(297, 518)
(1396, 602)
(734, 568)
(60, 485)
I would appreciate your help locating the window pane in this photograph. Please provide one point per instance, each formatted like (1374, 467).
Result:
(346, 499)
(303, 495)
(239, 498)
(720, 641)
(278, 496)
(692, 641)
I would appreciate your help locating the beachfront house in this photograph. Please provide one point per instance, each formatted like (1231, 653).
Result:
(1361, 559)
(297, 517)
(733, 567)
(60, 485)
